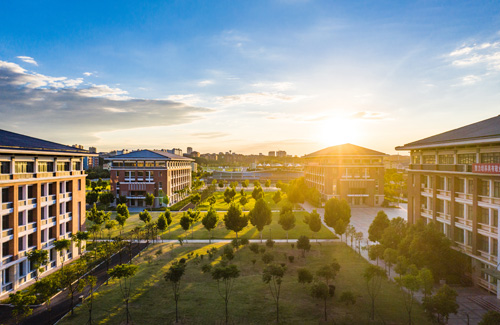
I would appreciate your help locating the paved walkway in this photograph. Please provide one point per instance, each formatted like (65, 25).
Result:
(473, 302)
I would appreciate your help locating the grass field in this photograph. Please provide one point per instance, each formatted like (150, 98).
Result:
(221, 205)
(251, 301)
(199, 232)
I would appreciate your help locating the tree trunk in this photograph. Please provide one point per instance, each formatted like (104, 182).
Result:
(176, 312)
(325, 312)
(261, 237)
(373, 309)
(287, 236)
(227, 315)
(277, 312)
(126, 301)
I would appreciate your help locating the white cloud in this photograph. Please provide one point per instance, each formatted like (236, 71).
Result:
(260, 98)
(204, 83)
(486, 55)
(279, 86)
(367, 115)
(87, 74)
(27, 59)
(470, 79)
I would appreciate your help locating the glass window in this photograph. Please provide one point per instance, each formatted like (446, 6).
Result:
(76, 165)
(23, 167)
(484, 189)
(490, 158)
(446, 159)
(468, 158)
(459, 210)
(140, 164)
(45, 166)
(63, 166)
(429, 159)
(496, 189)
(150, 163)
(459, 235)
(4, 167)
(470, 186)
(484, 216)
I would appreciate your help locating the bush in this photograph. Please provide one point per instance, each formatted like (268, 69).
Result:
(305, 276)
(235, 243)
(270, 243)
(347, 298)
(244, 241)
(293, 246)
(254, 261)
(228, 253)
(291, 258)
(206, 268)
(254, 247)
(267, 258)
(262, 250)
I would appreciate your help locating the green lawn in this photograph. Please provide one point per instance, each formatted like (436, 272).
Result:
(251, 301)
(221, 205)
(199, 232)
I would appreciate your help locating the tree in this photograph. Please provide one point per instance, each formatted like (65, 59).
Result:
(347, 298)
(303, 244)
(211, 200)
(304, 275)
(401, 265)
(121, 219)
(168, 217)
(196, 199)
(62, 245)
(210, 220)
(394, 233)
(277, 197)
(89, 281)
(320, 290)
(373, 276)
(122, 199)
(194, 216)
(256, 183)
(234, 219)
(110, 225)
(214, 182)
(92, 197)
(21, 302)
(409, 284)
(260, 216)
(426, 281)
(287, 222)
(174, 276)
(376, 252)
(226, 275)
(80, 237)
(390, 258)
(351, 232)
(145, 217)
(106, 198)
(337, 215)
(245, 183)
(268, 183)
(314, 222)
(185, 222)
(161, 223)
(165, 200)
(243, 200)
(124, 273)
(273, 275)
(377, 227)
(257, 193)
(38, 258)
(490, 318)
(122, 210)
(329, 271)
(359, 238)
(45, 289)
(150, 200)
(68, 280)
(442, 304)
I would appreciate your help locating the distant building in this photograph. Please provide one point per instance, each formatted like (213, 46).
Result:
(77, 146)
(195, 154)
(281, 153)
(454, 181)
(92, 150)
(42, 200)
(272, 154)
(189, 150)
(175, 151)
(348, 172)
(149, 171)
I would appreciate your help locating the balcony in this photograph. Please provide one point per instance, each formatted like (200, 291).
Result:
(63, 196)
(7, 259)
(7, 232)
(487, 257)
(5, 177)
(63, 173)
(487, 228)
(76, 172)
(45, 175)
(23, 176)
(7, 287)
(463, 221)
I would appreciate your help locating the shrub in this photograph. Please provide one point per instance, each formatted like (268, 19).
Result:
(254, 247)
(305, 276)
(347, 298)
(244, 241)
(270, 243)
(228, 253)
(236, 243)
(262, 250)
(267, 258)
(293, 246)
(206, 268)
(254, 261)
(291, 258)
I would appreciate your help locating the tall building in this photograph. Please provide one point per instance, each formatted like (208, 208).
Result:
(454, 180)
(42, 200)
(272, 154)
(149, 171)
(348, 172)
(175, 151)
(281, 153)
(189, 150)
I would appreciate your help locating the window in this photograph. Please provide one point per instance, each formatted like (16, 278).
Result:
(429, 159)
(446, 159)
(496, 189)
(23, 167)
(130, 164)
(22, 268)
(468, 158)
(494, 218)
(459, 210)
(470, 186)
(489, 158)
(140, 164)
(459, 235)
(484, 187)
(45, 166)
(79, 184)
(5, 195)
(117, 174)
(4, 167)
(20, 242)
(469, 212)
(62, 166)
(160, 163)
(150, 163)
(469, 238)
(461, 185)
(440, 183)
(440, 206)
(484, 216)
(483, 243)
(20, 193)
(76, 165)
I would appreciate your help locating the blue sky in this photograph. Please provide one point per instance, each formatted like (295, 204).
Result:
(247, 76)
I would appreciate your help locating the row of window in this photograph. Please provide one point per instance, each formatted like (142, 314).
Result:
(149, 164)
(24, 167)
(462, 159)
(462, 185)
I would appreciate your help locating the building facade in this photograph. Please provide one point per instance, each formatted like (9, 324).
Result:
(454, 181)
(153, 172)
(42, 200)
(348, 172)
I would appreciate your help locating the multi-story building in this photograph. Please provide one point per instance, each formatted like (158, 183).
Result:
(348, 172)
(175, 151)
(149, 171)
(42, 200)
(272, 154)
(189, 150)
(454, 180)
(280, 153)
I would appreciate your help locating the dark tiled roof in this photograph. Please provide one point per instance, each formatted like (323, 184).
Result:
(476, 131)
(149, 154)
(345, 150)
(16, 141)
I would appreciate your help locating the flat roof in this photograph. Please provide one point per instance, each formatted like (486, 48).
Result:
(487, 131)
(15, 142)
(149, 155)
(346, 149)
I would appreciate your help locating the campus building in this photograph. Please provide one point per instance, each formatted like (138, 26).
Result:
(348, 172)
(42, 200)
(150, 171)
(454, 180)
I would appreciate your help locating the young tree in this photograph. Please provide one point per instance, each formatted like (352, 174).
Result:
(89, 281)
(314, 222)
(376, 252)
(194, 216)
(210, 220)
(273, 275)
(243, 200)
(122, 199)
(320, 290)
(490, 318)
(351, 232)
(226, 275)
(373, 276)
(123, 210)
(38, 258)
(196, 199)
(150, 200)
(260, 216)
(329, 271)
(61, 246)
(234, 219)
(268, 183)
(359, 238)
(80, 237)
(304, 275)
(145, 216)
(161, 223)
(68, 280)
(390, 258)
(303, 244)
(174, 276)
(426, 281)
(185, 222)
(165, 200)
(106, 198)
(211, 200)
(256, 183)
(257, 193)
(168, 218)
(409, 284)
(124, 273)
(277, 197)
(287, 222)
(110, 225)
(401, 266)
(377, 227)
(245, 183)
(45, 289)
(442, 304)
(21, 302)
(337, 215)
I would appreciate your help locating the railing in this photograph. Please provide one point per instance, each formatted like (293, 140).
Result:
(23, 176)
(5, 177)
(488, 228)
(7, 205)
(22, 228)
(464, 248)
(76, 172)
(7, 259)
(486, 256)
(7, 232)
(463, 221)
(44, 175)
(31, 201)
(66, 195)
(63, 173)
(31, 225)
(7, 287)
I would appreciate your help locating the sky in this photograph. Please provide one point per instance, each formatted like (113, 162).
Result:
(247, 76)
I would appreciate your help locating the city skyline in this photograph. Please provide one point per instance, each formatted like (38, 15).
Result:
(297, 76)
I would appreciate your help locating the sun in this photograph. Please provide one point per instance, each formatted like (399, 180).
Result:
(338, 131)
